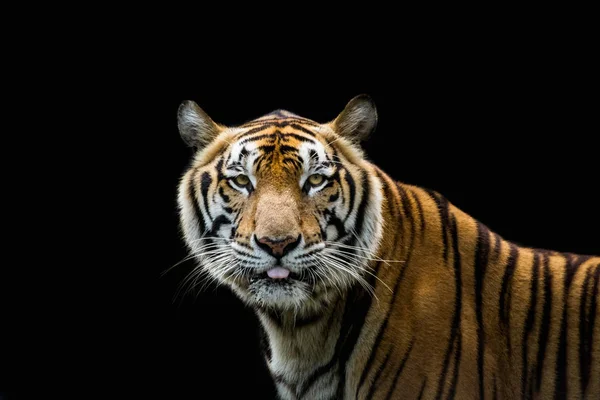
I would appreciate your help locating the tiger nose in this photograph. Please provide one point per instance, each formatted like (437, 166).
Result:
(278, 247)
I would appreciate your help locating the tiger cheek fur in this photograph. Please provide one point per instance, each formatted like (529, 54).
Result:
(367, 288)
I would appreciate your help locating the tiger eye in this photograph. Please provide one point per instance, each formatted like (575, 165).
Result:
(241, 180)
(316, 179)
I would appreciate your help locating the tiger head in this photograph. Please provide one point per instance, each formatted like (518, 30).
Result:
(284, 210)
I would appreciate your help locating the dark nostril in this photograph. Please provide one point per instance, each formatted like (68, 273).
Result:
(278, 247)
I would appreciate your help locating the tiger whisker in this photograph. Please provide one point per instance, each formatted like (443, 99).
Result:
(366, 271)
(339, 264)
(369, 258)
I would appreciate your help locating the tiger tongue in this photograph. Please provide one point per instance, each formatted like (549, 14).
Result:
(278, 273)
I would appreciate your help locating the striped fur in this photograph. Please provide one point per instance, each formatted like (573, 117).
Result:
(456, 310)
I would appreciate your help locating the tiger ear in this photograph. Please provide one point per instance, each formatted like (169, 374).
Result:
(358, 120)
(196, 128)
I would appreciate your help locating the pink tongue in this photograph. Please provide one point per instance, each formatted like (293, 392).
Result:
(278, 273)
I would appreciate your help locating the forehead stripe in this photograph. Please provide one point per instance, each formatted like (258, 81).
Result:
(252, 131)
(284, 135)
(258, 137)
(302, 129)
(298, 137)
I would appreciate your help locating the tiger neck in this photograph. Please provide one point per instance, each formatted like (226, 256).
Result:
(296, 344)
(309, 356)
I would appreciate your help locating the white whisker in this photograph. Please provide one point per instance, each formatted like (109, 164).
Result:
(366, 271)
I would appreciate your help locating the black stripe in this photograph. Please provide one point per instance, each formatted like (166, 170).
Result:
(273, 316)
(481, 260)
(334, 312)
(284, 149)
(360, 212)
(302, 129)
(378, 374)
(584, 347)
(497, 247)
(407, 208)
(292, 163)
(243, 153)
(298, 322)
(505, 293)
(329, 184)
(495, 392)
(302, 322)
(455, 328)
(266, 149)
(219, 168)
(589, 335)
(205, 182)
(309, 254)
(339, 225)
(271, 136)
(421, 215)
(457, 269)
(545, 326)
(572, 264)
(529, 322)
(422, 389)
(288, 135)
(225, 197)
(530, 386)
(197, 210)
(582, 326)
(393, 206)
(334, 197)
(442, 206)
(264, 343)
(220, 220)
(352, 192)
(323, 233)
(399, 371)
(279, 379)
(252, 131)
(457, 353)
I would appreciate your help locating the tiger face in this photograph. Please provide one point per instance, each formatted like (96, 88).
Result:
(281, 209)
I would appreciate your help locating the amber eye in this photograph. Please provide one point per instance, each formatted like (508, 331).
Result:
(316, 179)
(241, 180)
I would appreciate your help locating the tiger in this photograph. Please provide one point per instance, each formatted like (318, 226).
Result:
(370, 288)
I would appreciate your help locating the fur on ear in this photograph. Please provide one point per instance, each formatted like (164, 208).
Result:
(358, 120)
(196, 128)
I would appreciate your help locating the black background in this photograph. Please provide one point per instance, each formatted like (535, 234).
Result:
(504, 126)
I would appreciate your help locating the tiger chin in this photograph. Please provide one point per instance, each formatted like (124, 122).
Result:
(368, 288)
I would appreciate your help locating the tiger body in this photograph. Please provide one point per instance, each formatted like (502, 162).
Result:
(392, 292)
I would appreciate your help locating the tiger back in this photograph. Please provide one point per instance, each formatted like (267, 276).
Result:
(367, 288)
